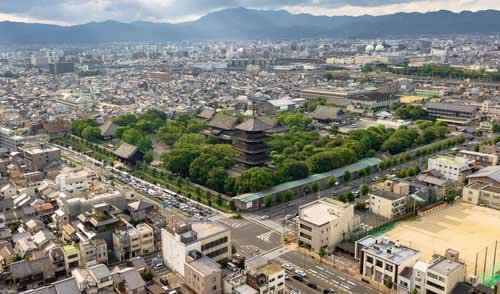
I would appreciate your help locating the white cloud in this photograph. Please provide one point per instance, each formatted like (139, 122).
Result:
(82, 11)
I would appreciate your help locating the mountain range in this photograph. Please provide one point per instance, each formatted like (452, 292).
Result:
(246, 24)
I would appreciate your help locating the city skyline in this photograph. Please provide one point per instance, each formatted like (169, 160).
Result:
(69, 12)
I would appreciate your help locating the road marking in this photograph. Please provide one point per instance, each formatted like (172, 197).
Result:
(265, 237)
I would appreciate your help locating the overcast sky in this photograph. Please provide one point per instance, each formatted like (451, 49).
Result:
(68, 12)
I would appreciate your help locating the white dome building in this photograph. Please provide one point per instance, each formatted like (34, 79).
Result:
(379, 48)
(369, 48)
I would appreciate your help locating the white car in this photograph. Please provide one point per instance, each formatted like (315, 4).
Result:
(301, 273)
(264, 217)
(287, 266)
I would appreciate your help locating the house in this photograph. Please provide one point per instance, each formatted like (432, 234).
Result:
(128, 154)
(128, 280)
(32, 273)
(265, 277)
(71, 257)
(66, 286)
(140, 209)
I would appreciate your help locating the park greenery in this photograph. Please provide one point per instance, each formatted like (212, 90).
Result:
(296, 154)
(432, 70)
(412, 112)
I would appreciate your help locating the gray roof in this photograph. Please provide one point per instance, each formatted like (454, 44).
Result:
(132, 278)
(386, 194)
(139, 205)
(324, 112)
(222, 121)
(126, 150)
(99, 271)
(254, 124)
(108, 128)
(206, 113)
(451, 107)
(491, 172)
(67, 286)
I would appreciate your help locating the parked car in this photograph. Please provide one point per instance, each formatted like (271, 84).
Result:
(287, 266)
(312, 285)
(301, 273)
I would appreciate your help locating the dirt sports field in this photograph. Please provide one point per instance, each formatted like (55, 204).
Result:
(470, 229)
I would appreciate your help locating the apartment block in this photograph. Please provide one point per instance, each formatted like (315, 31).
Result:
(36, 159)
(132, 242)
(202, 274)
(324, 223)
(388, 204)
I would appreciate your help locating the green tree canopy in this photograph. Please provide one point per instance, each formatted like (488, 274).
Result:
(254, 180)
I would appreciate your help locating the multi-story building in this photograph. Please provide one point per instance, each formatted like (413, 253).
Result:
(381, 259)
(71, 179)
(267, 278)
(388, 204)
(452, 168)
(93, 251)
(133, 242)
(481, 159)
(71, 257)
(202, 274)
(481, 193)
(324, 223)
(94, 279)
(452, 113)
(10, 140)
(439, 276)
(180, 237)
(36, 159)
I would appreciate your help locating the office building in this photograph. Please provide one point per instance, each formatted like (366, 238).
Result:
(56, 68)
(324, 223)
(9, 140)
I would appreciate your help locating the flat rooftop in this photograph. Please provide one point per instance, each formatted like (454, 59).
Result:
(321, 212)
(269, 269)
(207, 229)
(445, 266)
(205, 265)
(388, 250)
(387, 195)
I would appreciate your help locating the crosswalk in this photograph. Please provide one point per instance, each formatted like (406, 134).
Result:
(265, 237)
(276, 253)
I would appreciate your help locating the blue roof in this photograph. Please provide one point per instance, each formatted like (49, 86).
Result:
(355, 167)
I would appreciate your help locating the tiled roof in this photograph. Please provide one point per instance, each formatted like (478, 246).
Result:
(126, 150)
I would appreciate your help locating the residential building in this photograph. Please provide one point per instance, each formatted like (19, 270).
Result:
(71, 257)
(132, 242)
(180, 237)
(202, 274)
(36, 159)
(324, 223)
(32, 273)
(439, 276)
(94, 279)
(388, 204)
(71, 179)
(452, 168)
(66, 286)
(139, 209)
(93, 251)
(128, 281)
(493, 149)
(381, 259)
(267, 278)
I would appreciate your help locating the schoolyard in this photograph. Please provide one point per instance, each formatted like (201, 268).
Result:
(470, 229)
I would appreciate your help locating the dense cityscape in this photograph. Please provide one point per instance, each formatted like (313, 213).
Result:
(304, 165)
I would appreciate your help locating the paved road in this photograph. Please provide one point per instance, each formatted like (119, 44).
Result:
(322, 275)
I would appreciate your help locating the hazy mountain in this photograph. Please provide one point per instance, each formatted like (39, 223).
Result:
(241, 23)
